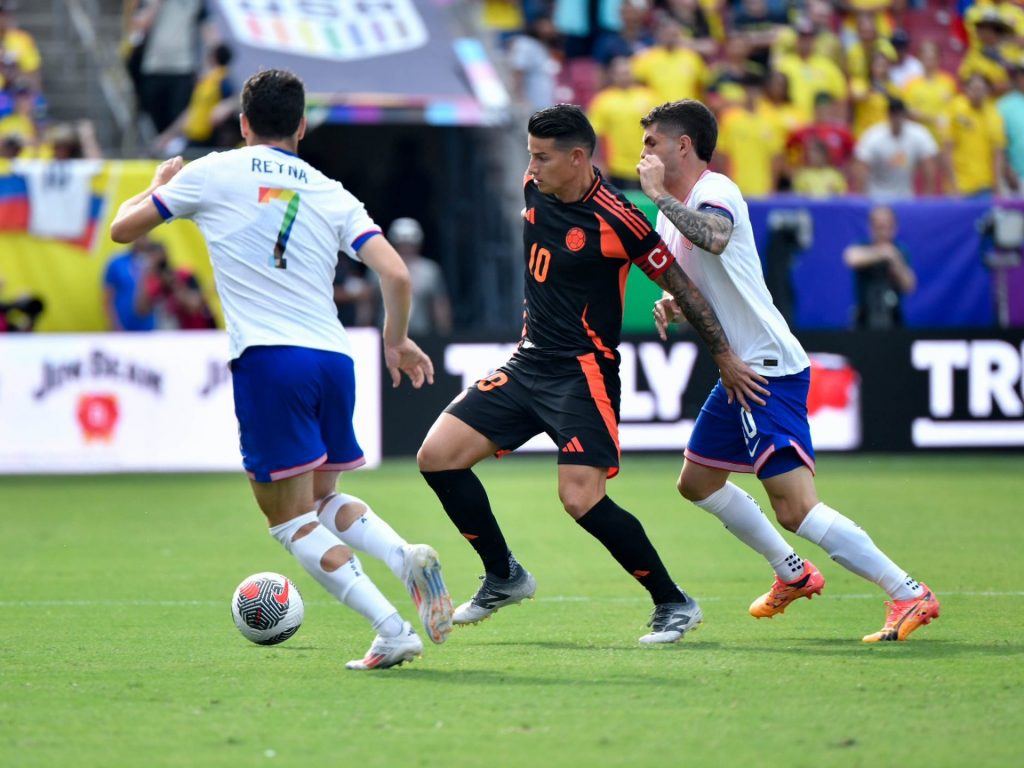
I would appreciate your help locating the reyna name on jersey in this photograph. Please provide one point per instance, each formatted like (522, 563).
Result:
(262, 165)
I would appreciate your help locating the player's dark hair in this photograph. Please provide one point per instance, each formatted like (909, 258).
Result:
(567, 124)
(686, 117)
(274, 101)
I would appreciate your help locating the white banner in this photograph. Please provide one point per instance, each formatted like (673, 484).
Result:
(341, 30)
(139, 402)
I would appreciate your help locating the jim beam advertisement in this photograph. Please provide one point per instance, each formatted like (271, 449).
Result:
(139, 402)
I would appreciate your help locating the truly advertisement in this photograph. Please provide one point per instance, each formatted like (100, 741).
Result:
(663, 388)
(138, 402)
(975, 393)
(870, 391)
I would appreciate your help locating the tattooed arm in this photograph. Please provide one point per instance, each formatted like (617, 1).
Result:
(709, 231)
(739, 379)
(694, 307)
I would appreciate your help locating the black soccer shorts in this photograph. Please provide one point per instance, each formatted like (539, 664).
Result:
(574, 400)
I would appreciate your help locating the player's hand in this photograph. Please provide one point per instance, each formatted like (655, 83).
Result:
(652, 176)
(409, 359)
(167, 170)
(740, 381)
(665, 311)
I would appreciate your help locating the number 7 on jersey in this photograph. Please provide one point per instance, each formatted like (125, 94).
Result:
(291, 197)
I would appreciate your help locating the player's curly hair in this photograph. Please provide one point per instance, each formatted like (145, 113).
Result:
(274, 101)
(689, 117)
(567, 124)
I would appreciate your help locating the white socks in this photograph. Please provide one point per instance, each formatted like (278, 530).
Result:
(743, 517)
(848, 544)
(369, 533)
(348, 584)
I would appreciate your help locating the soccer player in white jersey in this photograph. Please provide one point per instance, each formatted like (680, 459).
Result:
(704, 220)
(275, 226)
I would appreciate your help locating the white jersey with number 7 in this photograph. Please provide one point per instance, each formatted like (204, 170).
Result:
(274, 226)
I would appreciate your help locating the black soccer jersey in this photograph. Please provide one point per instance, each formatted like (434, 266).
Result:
(577, 258)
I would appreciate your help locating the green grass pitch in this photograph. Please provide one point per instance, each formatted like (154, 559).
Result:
(117, 646)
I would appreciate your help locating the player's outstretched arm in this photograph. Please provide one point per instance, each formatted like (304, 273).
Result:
(741, 382)
(138, 215)
(401, 354)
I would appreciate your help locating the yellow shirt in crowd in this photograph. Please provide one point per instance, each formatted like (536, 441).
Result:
(19, 44)
(974, 135)
(750, 145)
(676, 74)
(206, 95)
(826, 44)
(809, 77)
(18, 125)
(615, 114)
(857, 59)
(782, 118)
(503, 15)
(928, 99)
(870, 105)
(819, 182)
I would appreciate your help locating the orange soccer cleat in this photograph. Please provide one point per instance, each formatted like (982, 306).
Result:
(778, 598)
(904, 616)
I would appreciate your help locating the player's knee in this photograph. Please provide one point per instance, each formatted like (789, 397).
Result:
(334, 558)
(431, 457)
(790, 512)
(576, 500)
(304, 531)
(693, 489)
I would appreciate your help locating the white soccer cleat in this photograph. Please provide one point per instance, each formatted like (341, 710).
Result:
(670, 621)
(421, 574)
(390, 651)
(496, 593)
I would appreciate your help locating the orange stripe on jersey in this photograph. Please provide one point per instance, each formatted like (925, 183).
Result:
(633, 215)
(595, 338)
(611, 243)
(593, 189)
(527, 178)
(638, 225)
(618, 215)
(612, 247)
(595, 382)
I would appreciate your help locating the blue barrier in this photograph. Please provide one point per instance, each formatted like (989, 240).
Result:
(940, 235)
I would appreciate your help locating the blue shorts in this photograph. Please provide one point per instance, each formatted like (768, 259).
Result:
(294, 407)
(727, 437)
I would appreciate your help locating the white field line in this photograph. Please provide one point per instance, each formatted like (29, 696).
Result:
(542, 599)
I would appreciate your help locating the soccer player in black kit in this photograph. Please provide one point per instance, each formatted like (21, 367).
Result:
(580, 236)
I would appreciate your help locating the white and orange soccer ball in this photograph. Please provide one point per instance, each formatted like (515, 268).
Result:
(267, 608)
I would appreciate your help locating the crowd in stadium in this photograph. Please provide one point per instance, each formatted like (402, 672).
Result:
(888, 97)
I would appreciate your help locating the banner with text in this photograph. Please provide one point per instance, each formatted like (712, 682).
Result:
(139, 402)
(870, 391)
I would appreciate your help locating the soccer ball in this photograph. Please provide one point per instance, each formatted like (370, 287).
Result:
(267, 608)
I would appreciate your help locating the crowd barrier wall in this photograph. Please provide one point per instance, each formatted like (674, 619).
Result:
(943, 240)
(871, 391)
(162, 401)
